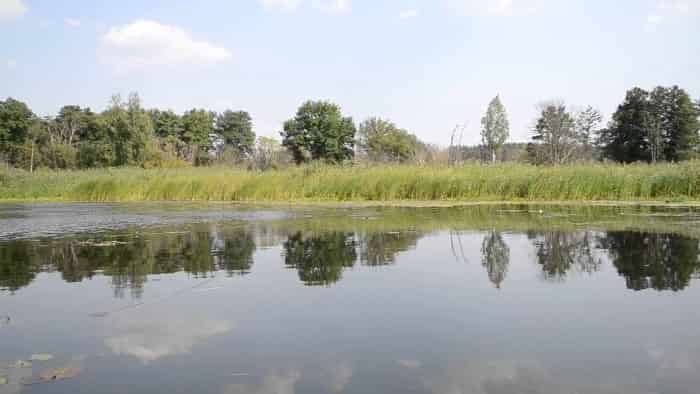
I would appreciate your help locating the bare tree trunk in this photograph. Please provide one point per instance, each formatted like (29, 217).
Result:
(493, 156)
(31, 160)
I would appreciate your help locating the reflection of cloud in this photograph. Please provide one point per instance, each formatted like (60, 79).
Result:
(338, 376)
(271, 384)
(485, 378)
(15, 377)
(413, 364)
(150, 338)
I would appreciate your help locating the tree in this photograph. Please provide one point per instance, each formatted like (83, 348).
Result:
(166, 123)
(129, 128)
(268, 152)
(319, 132)
(494, 127)
(625, 140)
(197, 125)
(557, 133)
(382, 141)
(16, 119)
(678, 120)
(237, 130)
(586, 123)
(661, 125)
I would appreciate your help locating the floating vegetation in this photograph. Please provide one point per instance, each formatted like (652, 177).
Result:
(59, 373)
(41, 357)
(23, 364)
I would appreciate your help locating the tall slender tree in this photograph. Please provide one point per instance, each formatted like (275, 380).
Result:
(494, 127)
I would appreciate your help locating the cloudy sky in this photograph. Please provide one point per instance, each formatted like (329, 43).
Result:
(425, 64)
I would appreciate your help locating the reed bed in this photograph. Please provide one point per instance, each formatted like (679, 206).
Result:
(325, 183)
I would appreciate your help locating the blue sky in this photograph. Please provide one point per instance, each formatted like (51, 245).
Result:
(426, 65)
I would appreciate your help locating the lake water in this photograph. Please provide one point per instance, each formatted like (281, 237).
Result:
(241, 299)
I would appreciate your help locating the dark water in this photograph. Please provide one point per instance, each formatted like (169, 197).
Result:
(225, 299)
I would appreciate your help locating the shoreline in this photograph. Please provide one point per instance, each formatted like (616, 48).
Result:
(373, 204)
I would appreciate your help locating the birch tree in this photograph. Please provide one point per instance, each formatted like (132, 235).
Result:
(494, 127)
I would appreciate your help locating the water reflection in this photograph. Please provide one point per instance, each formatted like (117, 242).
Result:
(320, 259)
(495, 257)
(653, 261)
(647, 260)
(148, 337)
(274, 383)
(378, 249)
(558, 252)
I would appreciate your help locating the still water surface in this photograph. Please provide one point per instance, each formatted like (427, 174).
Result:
(226, 299)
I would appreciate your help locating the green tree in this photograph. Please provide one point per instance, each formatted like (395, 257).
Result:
(678, 120)
(197, 125)
(382, 141)
(556, 131)
(129, 128)
(16, 120)
(236, 128)
(166, 123)
(319, 132)
(494, 127)
(650, 126)
(625, 139)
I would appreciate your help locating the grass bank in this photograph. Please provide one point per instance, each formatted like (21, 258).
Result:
(504, 182)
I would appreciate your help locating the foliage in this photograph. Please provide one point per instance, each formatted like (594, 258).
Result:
(382, 141)
(650, 126)
(236, 127)
(319, 132)
(16, 119)
(494, 127)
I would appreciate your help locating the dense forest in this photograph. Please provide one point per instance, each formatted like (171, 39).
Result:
(648, 126)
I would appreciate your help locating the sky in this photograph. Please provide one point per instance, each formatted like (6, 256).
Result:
(426, 65)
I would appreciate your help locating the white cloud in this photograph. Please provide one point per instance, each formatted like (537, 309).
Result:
(496, 7)
(329, 6)
(334, 6)
(143, 44)
(664, 9)
(72, 22)
(285, 5)
(405, 14)
(11, 9)
(12, 64)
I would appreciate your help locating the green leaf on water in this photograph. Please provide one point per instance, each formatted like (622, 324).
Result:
(41, 357)
(3, 380)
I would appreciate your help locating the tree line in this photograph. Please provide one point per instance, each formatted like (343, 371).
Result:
(649, 126)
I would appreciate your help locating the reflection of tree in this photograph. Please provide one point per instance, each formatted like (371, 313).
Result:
(378, 249)
(320, 260)
(558, 252)
(127, 258)
(657, 261)
(236, 255)
(495, 256)
(17, 265)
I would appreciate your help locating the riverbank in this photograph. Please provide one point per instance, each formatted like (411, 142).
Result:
(385, 185)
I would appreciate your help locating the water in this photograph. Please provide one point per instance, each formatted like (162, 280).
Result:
(227, 299)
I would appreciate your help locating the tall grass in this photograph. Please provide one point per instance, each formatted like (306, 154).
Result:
(504, 182)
